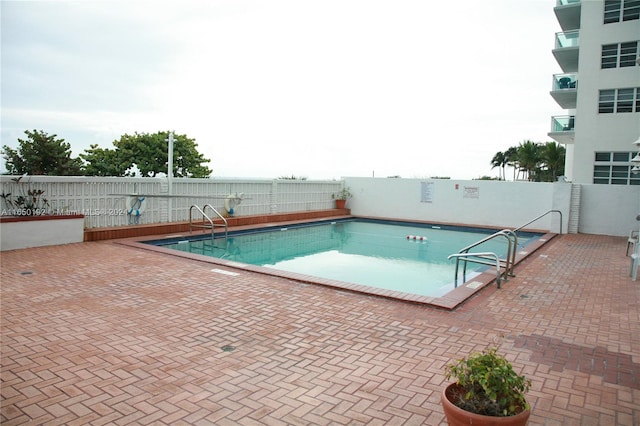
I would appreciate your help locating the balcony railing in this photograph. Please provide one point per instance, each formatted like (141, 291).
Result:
(567, 39)
(562, 123)
(564, 81)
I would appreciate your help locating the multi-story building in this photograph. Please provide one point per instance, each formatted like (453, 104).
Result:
(598, 52)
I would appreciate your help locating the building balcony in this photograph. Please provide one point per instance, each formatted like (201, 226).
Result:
(566, 50)
(562, 128)
(564, 89)
(568, 14)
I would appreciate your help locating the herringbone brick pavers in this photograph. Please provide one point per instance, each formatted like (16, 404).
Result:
(100, 333)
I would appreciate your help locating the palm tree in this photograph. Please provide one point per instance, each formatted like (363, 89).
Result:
(536, 161)
(553, 156)
(511, 158)
(499, 160)
(529, 158)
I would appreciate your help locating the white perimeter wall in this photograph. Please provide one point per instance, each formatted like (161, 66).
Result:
(609, 209)
(36, 233)
(603, 209)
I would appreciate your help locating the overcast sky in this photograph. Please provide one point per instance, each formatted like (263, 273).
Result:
(321, 89)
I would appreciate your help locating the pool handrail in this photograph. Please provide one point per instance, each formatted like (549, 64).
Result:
(211, 225)
(224, 220)
(539, 217)
(479, 255)
(512, 252)
(508, 262)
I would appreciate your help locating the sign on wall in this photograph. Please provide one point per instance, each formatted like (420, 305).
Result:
(426, 192)
(471, 192)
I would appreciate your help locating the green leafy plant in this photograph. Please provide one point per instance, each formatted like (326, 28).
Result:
(488, 385)
(343, 194)
(28, 201)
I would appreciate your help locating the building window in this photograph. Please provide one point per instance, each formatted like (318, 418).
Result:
(619, 55)
(606, 102)
(609, 56)
(631, 10)
(625, 100)
(619, 100)
(612, 11)
(621, 10)
(628, 54)
(614, 168)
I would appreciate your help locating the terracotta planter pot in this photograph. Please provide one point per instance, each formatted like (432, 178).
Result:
(457, 416)
(340, 204)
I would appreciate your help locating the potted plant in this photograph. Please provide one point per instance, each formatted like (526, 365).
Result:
(342, 197)
(486, 389)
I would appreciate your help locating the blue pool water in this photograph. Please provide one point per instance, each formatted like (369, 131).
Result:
(371, 253)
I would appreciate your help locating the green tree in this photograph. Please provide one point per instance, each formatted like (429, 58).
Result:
(538, 162)
(499, 160)
(553, 156)
(292, 177)
(511, 158)
(41, 154)
(529, 158)
(103, 162)
(147, 153)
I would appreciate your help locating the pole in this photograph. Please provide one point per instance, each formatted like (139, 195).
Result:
(170, 175)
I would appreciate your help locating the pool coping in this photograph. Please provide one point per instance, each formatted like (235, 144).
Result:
(450, 301)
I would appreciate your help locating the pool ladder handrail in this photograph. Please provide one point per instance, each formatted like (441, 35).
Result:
(539, 217)
(486, 258)
(483, 258)
(480, 255)
(211, 225)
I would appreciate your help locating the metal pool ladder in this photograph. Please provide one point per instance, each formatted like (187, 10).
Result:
(490, 258)
(207, 222)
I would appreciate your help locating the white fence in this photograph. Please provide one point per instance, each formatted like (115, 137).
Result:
(105, 202)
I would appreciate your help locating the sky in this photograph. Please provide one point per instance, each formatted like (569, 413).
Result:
(320, 89)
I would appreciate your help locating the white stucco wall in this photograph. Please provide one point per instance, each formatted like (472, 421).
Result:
(487, 203)
(603, 209)
(609, 209)
(36, 233)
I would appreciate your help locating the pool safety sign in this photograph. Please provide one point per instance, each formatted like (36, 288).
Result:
(471, 192)
(426, 192)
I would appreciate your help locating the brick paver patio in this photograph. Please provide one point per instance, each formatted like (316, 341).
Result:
(99, 333)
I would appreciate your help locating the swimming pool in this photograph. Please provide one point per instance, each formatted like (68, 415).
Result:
(403, 257)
